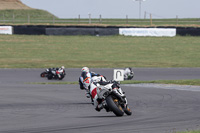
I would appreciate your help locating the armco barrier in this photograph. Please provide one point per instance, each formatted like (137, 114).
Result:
(82, 31)
(88, 30)
(29, 30)
(188, 31)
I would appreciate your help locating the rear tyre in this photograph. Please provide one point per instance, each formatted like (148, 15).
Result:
(50, 76)
(114, 106)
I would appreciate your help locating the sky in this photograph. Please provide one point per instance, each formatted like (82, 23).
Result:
(118, 8)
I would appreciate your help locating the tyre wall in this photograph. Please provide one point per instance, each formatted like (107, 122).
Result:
(82, 31)
(29, 30)
(88, 30)
(188, 31)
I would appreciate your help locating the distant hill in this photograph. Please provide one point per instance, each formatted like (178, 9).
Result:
(12, 4)
(8, 8)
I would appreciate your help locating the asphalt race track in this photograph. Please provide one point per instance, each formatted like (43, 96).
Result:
(36, 108)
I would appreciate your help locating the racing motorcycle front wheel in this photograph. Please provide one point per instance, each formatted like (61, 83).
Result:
(43, 74)
(127, 110)
(114, 106)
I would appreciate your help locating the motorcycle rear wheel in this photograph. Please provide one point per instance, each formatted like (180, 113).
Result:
(114, 106)
(50, 76)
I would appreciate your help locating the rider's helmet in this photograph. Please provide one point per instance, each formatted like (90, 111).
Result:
(85, 69)
(62, 67)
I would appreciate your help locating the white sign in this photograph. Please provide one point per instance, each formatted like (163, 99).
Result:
(118, 75)
(6, 30)
(159, 32)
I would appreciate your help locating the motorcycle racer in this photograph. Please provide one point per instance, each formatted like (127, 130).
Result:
(86, 78)
(56, 73)
(128, 74)
(101, 92)
(59, 71)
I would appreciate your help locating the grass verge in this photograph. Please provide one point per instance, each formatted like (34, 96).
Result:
(177, 82)
(23, 51)
(189, 132)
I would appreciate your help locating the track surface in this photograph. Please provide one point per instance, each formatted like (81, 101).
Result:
(32, 108)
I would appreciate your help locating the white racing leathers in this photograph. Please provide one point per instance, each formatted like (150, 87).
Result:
(85, 81)
(59, 72)
(89, 79)
(97, 90)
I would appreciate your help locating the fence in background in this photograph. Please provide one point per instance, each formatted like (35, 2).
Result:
(36, 19)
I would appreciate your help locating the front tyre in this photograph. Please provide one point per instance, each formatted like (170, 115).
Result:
(127, 110)
(43, 74)
(61, 77)
(114, 106)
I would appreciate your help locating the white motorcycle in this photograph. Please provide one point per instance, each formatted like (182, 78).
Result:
(128, 74)
(112, 98)
(106, 93)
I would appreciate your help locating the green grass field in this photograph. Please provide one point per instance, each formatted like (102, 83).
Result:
(23, 51)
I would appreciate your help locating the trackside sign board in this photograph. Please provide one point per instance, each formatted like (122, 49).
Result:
(6, 30)
(157, 32)
(118, 75)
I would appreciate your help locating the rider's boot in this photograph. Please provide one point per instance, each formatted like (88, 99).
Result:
(99, 107)
(87, 95)
(101, 104)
